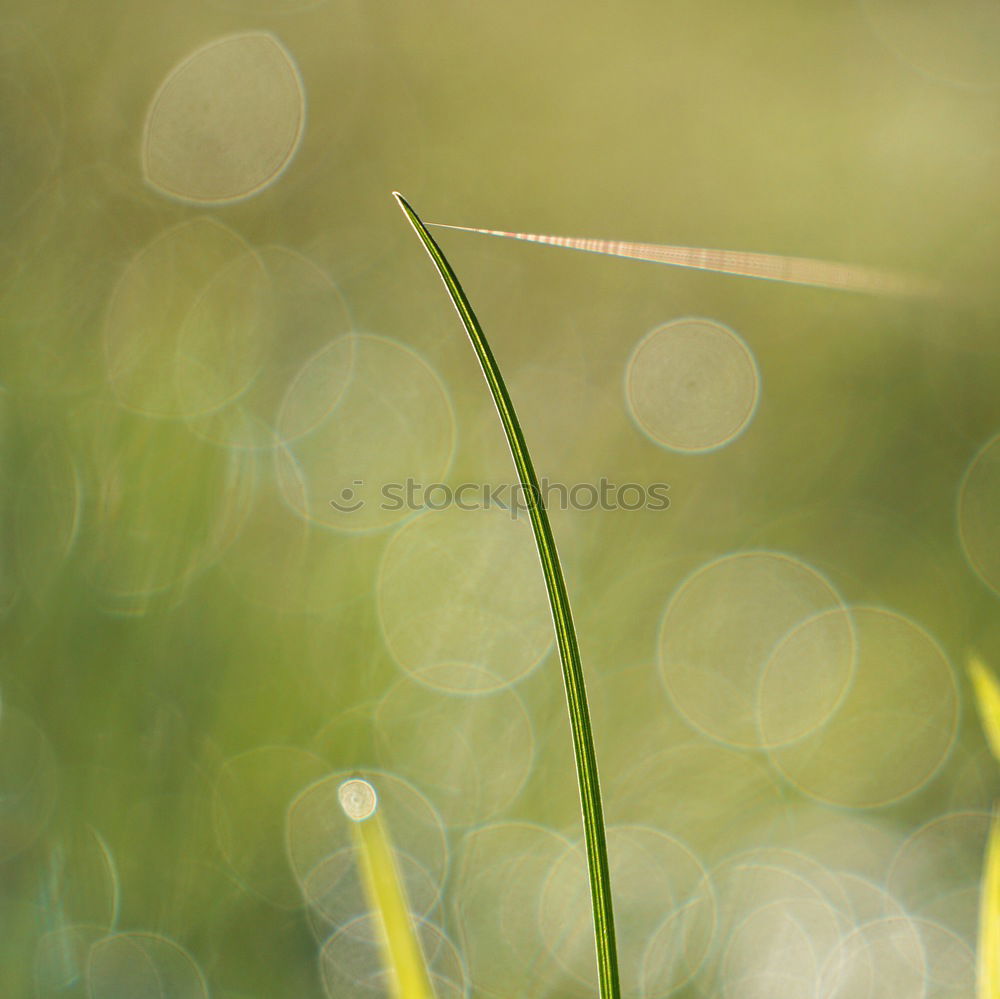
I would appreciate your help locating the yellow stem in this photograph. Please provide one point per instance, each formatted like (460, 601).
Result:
(387, 897)
(988, 970)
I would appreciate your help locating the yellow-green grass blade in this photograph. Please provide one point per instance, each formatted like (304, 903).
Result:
(988, 963)
(987, 691)
(569, 653)
(402, 953)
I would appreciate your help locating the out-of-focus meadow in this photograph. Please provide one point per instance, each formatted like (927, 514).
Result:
(222, 347)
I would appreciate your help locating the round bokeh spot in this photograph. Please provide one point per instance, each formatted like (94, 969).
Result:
(349, 454)
(893, 730)
(882, 958)
(806, 677)
(142, 966)
(358, 799)
(692, 385)
(950, 961)
(938, 868)
(322, 848)
(856, 842)
(771, 952)
(185, 329)
(744, 655)
(226, 122)
(459, 588)
(470, 755)
(780, 916)
(292, 309)
(352, 962)
(499, 881)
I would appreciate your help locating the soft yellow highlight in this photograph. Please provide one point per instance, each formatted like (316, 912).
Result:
(988, 701)
(401, 949)
(987, 692)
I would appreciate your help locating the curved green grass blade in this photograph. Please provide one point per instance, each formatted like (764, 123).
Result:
(569, 652)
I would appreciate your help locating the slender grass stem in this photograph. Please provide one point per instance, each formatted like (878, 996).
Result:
(987, 691)
(384, 888)
(988, 956)
(569, 652)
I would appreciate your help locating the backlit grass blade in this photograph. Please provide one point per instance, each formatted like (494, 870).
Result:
(569, 653)
(771, 267)
(987, 692)
(401, 948)
(988, 960)
(988, 701)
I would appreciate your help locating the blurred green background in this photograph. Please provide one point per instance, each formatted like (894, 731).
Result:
(215, 321)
